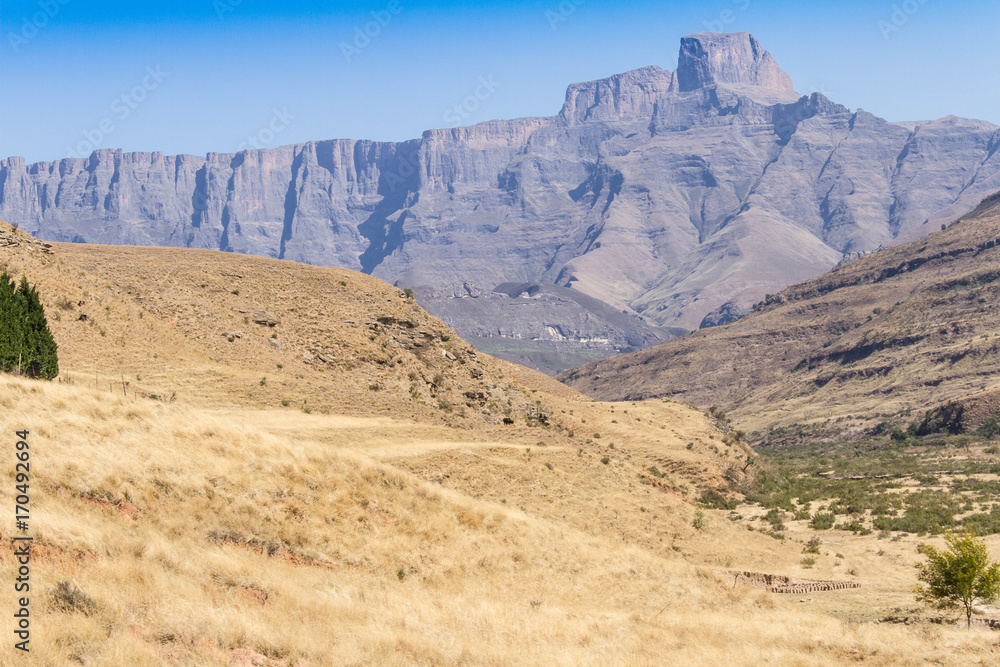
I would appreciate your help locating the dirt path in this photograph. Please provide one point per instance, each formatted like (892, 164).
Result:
(378, 437)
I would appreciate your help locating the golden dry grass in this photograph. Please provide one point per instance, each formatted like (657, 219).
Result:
(203, 540)
(380, 527)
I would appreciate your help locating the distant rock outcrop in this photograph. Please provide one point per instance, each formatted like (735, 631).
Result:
(669, 195)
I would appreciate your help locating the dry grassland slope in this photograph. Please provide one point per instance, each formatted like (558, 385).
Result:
(183, 514)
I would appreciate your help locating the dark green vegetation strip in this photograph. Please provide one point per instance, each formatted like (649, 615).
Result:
(916, 485)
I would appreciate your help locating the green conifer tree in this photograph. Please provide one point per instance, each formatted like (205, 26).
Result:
(11, 329)
(26, 342)
(40, 347)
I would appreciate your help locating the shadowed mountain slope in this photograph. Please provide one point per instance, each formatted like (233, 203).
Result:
(908, 327)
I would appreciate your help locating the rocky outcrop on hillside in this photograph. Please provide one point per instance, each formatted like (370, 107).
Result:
(680, 197)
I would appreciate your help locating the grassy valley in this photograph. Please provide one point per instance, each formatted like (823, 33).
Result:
(252, 462)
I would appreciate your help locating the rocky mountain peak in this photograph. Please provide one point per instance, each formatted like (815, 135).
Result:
(627, 96)
(710, 58)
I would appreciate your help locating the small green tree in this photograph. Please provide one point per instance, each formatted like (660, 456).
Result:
(26, 344)
(11, 330)
(959, 576)
(40, 348)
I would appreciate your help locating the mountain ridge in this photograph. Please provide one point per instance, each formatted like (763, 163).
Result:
(679, 198)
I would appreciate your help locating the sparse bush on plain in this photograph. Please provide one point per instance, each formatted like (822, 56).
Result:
(959, 576)
(67, 597)
(715, 500)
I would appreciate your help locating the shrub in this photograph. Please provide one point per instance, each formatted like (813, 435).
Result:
(773, 517)
(919, 518)
(854, 526)
(983, 524)
(699, 520)
(715, 500)
(946, 418)
(989, 429)
(66, 597)
(823, 521)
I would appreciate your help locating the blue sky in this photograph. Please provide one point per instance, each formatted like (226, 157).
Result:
(219, 75)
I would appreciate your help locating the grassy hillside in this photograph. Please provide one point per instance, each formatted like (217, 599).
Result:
(169, 535)
(905, 328)
(184, 513)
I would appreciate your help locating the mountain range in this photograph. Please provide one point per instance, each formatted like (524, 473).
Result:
(675, 198)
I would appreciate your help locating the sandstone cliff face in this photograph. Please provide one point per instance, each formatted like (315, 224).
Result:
(682, 197)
